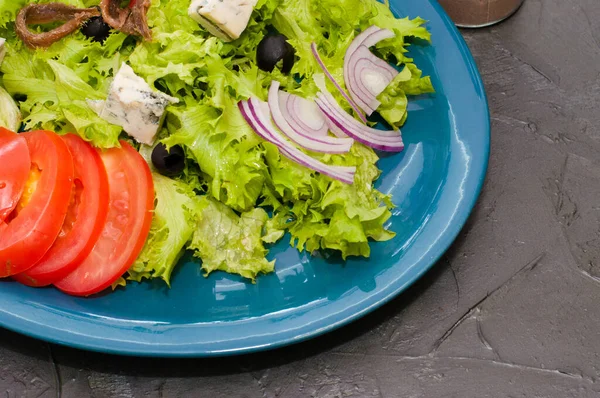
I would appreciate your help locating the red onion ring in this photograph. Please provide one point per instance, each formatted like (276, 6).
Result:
(255, 116)
(357, 57)
(324, 144)
(361, 133)
(353, 104)
(294, 109)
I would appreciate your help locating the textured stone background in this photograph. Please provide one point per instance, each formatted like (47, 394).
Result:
(513, 309)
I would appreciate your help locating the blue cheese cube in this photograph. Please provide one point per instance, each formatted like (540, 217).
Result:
(133, 105)
(226, 19)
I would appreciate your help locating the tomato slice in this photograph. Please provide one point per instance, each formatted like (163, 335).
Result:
(16, 162)
(85, 218)
(131, 202)
(33, 226)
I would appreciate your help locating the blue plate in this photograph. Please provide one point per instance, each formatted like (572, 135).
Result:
(435, 183)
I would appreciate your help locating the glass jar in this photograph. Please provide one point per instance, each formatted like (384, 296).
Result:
(479, 13)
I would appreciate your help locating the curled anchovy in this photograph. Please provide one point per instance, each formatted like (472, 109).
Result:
(34, 14)
(132, 20)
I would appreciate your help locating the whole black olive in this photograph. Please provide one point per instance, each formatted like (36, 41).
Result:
(272, 49)
(96, 29)
(168, 163)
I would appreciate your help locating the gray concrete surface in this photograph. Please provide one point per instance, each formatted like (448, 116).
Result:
(513, 310)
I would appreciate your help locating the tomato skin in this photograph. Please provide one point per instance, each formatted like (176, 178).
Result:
(16, 163)
(25, 239)
(84, 222)
(131, 192)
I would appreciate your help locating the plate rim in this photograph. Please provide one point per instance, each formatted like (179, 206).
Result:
(91, 343)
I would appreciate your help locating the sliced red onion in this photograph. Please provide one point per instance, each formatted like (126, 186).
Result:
(353, 104)
(333, 108)
(335, 129)
(244, 107)
(303, 115)
(344, 122)
(344, 115)
(361, 133)
(376, 37)
(385, 69)
(259, 111)
(356, 43)
(324, 144)
(365, 75)
(371, 76)
(256, 117)
(358, 40)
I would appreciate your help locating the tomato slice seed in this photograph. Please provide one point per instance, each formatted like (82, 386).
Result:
(131, 192)
(30, 234)
(85, 218)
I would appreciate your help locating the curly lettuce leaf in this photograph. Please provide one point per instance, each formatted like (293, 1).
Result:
(394, 100)
(175, 57)
(183, 56)
(404, 28)
(175, 215)
(289, 182)
(55, 93)
(9, 10)
(227, 242)
(231, 166)
(226, 150)
(323, 214)
(332, 25)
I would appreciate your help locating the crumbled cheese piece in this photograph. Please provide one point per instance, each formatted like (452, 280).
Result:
(133, 105)
(226, 19)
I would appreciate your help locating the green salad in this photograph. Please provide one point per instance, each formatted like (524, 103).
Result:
(238, 193)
